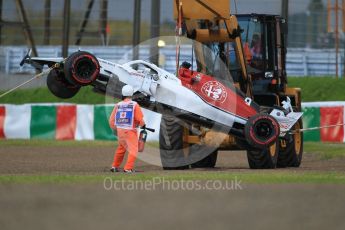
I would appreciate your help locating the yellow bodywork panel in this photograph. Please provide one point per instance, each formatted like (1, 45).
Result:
(206, 36)
(195, 9)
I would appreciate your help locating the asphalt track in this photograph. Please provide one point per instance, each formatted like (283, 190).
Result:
(91, 206)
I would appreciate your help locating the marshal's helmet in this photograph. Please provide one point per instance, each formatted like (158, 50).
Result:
(127, 91)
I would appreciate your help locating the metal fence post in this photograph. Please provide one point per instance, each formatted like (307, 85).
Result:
(7, 61)
(66, 25)
(305, 64)
(155, 26)
(136, 28)
(340, 68)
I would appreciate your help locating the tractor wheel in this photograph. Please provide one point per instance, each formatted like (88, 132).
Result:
(59, 86)
(172, 148)
(171, 144)
(208, 162)
(291, 152)
(264, 158)
(81, 68)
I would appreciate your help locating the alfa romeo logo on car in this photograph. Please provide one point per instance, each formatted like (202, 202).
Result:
(214, 90)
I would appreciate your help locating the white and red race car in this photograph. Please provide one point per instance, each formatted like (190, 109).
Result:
(190, 95)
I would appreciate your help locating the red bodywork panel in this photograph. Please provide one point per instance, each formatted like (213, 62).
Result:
(215, 93)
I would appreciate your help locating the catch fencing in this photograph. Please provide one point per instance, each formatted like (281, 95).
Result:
(300, 62)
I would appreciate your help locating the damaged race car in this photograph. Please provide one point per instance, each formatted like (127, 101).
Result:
(193, 100)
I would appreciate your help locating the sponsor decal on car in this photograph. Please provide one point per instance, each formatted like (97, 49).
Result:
(214, 90)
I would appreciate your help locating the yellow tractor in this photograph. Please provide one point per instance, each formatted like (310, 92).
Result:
(247, 52)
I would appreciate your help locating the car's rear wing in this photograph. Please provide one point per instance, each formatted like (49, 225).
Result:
(39, 63)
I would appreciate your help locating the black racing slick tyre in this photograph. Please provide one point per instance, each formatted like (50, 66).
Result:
(59, 86)
(81, 68)
(291, 149)
(263, 158)
(171, 144)
(261, 131)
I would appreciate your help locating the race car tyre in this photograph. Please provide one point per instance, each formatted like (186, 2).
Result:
(208, 162)
(263, 158)
(59, 86)
(291, 151)
(261, 131)
(81, 68)
(171, 144)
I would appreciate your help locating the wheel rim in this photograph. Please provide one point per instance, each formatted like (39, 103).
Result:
(263, 130)
(84, 69)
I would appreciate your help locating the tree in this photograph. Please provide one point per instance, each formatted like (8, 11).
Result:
(316, 22)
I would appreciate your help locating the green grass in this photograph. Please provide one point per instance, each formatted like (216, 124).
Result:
(254, 177)
(325, 151)
(54, 143)
(313, 89)
(319, 88)
(43, 95)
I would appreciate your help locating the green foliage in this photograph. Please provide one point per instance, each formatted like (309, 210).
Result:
(121, 31)
(316, 5)
(319, 88)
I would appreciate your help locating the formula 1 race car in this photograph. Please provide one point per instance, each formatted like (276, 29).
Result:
(193, 97)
